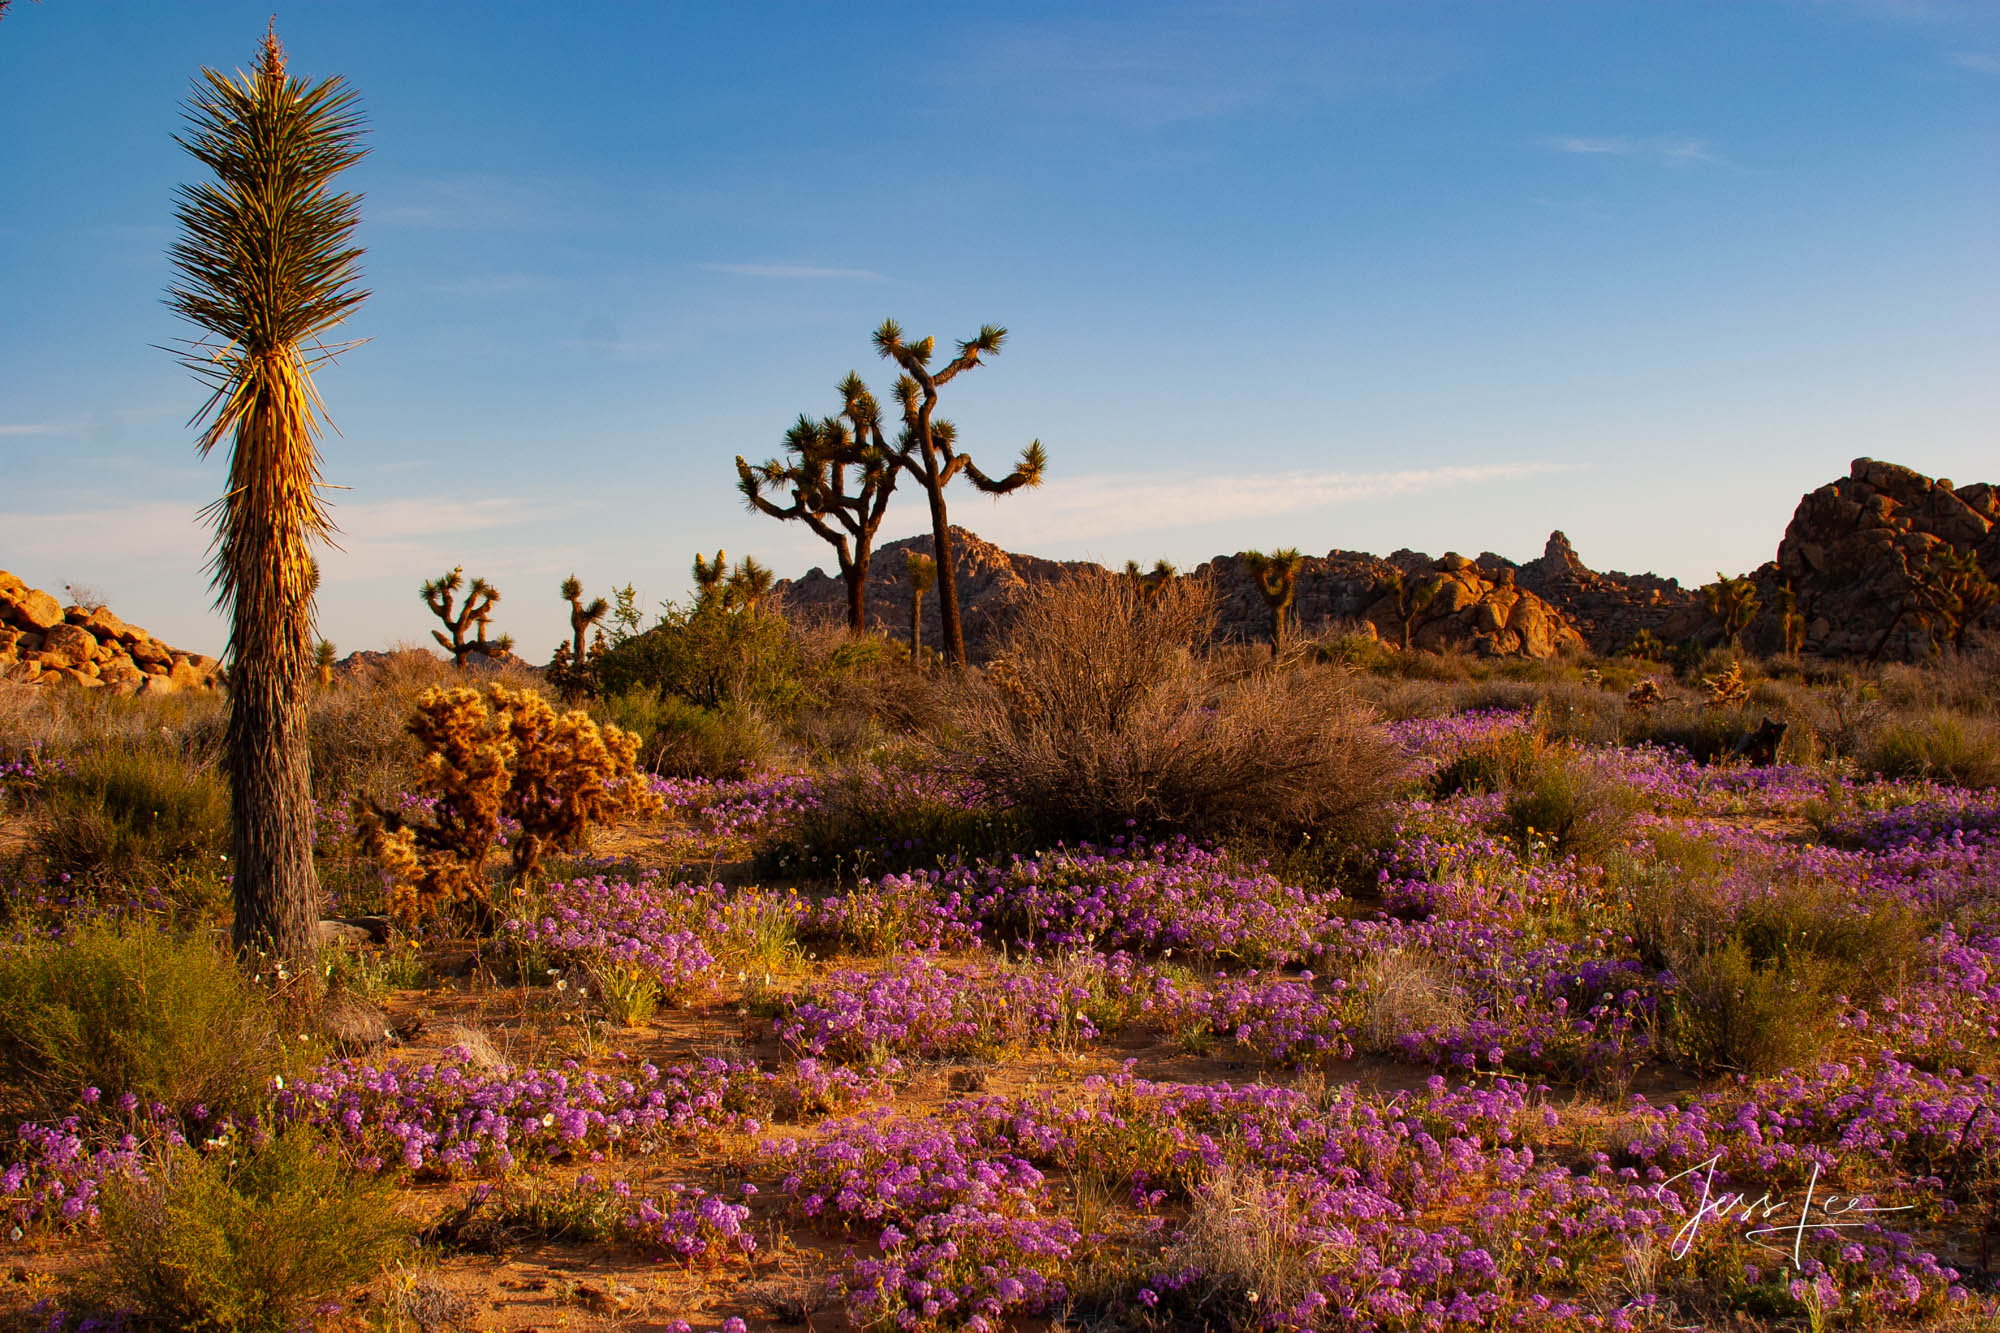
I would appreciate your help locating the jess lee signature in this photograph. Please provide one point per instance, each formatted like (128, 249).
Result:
(1739, 1206)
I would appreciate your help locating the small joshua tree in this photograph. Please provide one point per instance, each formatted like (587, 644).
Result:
(1412, 599)
(1733, 603)
(476, 614)
(581, 617)
(750, 583)
(921, 571)
(719, 587)
(1277, 578)
(1950, 593)
(488, 759)
(928, 451)
(1152, 582)
(323, 654)
(1791, 624)
(840, 474)
(1646, 647)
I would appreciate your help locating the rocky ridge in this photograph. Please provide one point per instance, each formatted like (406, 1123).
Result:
(43, 642)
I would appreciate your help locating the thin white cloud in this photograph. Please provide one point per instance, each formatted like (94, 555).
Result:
(1108, 503)
(794, 271)
(1979, 62)
(41, 428)
(1671, 149)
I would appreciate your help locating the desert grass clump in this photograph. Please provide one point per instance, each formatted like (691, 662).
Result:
(246, 1237)
(1943, 746)
(132, 817)
(1101, 718)
(682, 739)
(165, 1018)
(504, 756)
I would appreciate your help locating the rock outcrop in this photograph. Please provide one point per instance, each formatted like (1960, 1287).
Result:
(43, 642)
(1854, 554)
(990, 580)
(1608, 609)
(1471, 611)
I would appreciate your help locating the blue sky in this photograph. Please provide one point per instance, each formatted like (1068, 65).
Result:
(1324, 275)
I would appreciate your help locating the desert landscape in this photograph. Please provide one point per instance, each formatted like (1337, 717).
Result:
(950, 937)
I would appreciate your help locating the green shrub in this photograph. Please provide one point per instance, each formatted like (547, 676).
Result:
(132, 817)
(167, 1018)
(683, 739)
(1496, 763)
(710, 654)
(1728, 1012)
(1943, 746)
(871, 820)
(1570, 805)
(243, 1239)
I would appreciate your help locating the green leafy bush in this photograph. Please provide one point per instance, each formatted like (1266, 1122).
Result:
(710, 654)
(132, 817)
(683, 739)
(242, 1239)
(1570, 805)
(167, 1018)
(1729, 1012)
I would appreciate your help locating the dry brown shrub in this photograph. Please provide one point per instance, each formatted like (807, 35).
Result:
(1101, 717)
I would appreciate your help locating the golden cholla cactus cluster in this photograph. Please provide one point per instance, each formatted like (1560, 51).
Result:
(1727, 688)
(488, 759)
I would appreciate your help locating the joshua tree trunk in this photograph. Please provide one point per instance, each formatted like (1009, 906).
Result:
(947, 583)
(856, 574)
(917, 626)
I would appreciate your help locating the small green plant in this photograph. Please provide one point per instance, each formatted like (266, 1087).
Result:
(244, 1237)
(1728, 1012)
(1568, 805)
(166, 1018)
(631, 994)
(131, 816)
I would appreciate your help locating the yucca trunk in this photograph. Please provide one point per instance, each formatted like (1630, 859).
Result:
(273, 469)
(917, 625)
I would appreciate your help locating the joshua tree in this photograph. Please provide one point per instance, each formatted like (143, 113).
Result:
(1150, 583)
(921, 571)
(1412, 599)
(265, 265)
(1733, 603)
(927, 450)
(323, 654)
(820, 456)
(1791, 625)
(1951, 592)
(1277, 578)
(738, 589)
(476, 613)
(581, 617)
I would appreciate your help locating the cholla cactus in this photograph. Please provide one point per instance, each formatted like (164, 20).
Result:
(1727, 688)
(489, 759)
(1277, 577)
(1733, 603)
(921, 571)
(476, 614)
(1644, 695)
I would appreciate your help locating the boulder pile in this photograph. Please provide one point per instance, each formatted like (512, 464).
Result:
(1856, 549)
(43, 642)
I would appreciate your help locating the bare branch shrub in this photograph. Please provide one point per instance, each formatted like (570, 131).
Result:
(1102, 716)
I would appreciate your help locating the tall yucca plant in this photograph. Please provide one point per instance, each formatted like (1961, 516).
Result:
(266, 266)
